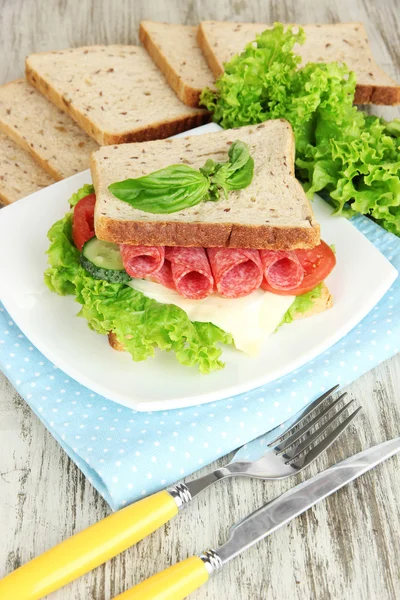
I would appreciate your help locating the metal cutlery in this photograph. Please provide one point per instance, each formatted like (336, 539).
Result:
(286, 455)
(177, 582)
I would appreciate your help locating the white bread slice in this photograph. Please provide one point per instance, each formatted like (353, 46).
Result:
(19, 174)
(115, 93)
(272, 212)
(321, 304)
(52, 138)
(176, 53)
(342, 42)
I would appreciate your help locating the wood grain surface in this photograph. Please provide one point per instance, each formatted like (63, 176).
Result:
(347, 547)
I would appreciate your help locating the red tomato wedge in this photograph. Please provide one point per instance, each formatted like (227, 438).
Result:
(83, 221)
(317, 263)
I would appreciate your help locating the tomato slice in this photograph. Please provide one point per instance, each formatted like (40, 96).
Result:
(83, 221)
(317, 263)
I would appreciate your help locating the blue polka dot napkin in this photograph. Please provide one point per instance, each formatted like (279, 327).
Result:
(127, 454)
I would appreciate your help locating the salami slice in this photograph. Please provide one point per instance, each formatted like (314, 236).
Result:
(164, 275)
(142, 261)
(237, 271)
(282, 270)
(191, 271)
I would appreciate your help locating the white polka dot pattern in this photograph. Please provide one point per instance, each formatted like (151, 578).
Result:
(127, 455)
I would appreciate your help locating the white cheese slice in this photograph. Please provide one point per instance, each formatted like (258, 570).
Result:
(249, 320)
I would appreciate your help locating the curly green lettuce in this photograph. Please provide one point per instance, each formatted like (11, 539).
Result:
(353, 157)
(302, 304)
(141, 323)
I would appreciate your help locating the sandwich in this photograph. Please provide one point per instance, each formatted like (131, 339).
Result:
(193, 243)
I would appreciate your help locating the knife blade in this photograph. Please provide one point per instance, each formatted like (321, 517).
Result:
(297, 500)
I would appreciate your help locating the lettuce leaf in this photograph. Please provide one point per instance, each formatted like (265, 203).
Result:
(63, 258)
(353, 157)
(85, 190)
(140, 323)
(393, 127)
(302, 304)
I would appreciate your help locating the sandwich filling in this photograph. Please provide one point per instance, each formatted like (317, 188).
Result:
(187, 300)
(196, 273)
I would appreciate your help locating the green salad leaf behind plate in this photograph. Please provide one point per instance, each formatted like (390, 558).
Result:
(341, 150)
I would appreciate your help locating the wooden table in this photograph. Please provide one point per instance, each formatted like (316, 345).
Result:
(346, 547)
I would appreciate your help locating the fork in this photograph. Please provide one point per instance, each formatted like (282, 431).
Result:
(286, 454)
(289, 453)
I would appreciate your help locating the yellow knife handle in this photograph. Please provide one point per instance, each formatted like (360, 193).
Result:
(175, 583)
(88, 549)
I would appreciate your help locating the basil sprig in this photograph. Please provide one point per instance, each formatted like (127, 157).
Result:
(179, 186)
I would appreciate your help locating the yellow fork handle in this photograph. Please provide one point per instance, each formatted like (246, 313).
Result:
(175, 583)
(88, 549)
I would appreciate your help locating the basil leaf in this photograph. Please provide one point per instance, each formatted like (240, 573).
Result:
(165, 191)
(238, 172)
(210, 168)
(242, 177)
(179, 186)
(238, 155)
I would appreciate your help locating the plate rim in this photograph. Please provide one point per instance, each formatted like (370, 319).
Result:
(143, 405)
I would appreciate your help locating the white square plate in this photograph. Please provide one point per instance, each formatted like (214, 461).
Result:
(360, 279)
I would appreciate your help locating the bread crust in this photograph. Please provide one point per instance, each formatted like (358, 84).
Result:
(186, 93)
(22, 143)
(206, 235)
(5, 200)
(19, 132)
(20, 176)
(114, 342)
(382, 95)
(156, 131)
(214, 64)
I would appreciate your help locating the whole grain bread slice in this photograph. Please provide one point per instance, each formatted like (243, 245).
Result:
(342, 42)
(50, 136)
(272, 212)
(115, 93)
(19, 173)
(176, 53)
(321, 304)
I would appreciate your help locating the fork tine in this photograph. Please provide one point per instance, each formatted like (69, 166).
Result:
(305, 413)
(303, 430)
(308, 441)
(325, 443)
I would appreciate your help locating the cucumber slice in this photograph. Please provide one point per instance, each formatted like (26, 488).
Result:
(103, 261)
(104, 255)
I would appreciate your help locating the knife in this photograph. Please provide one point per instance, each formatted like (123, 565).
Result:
(180, 580)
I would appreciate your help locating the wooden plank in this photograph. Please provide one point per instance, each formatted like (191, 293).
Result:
(347, 547)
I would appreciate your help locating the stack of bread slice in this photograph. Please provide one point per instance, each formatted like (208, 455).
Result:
(189, 70)
(19, 174)
(74, 100)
